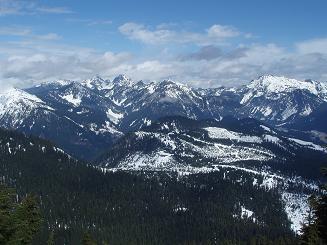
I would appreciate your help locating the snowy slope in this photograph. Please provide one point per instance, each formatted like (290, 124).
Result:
(273, 86)
(256, 152)
(280, 100)
(16, 105)
(181, 142)
(66, 113)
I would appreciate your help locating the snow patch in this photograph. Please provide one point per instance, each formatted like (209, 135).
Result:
(222, 133)
(115, 117)
(296, 208)
(308, 144)
(75, 100)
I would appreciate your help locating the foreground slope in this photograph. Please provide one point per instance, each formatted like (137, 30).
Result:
(123, 208)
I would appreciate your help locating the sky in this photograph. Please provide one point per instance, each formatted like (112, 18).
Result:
(203, 43)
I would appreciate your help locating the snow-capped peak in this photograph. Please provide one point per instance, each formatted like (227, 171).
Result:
(171, 82)
(123, 80)
(272, 86)
(280, 84)
(19, 104)
(57, 83)
(16, 95)
(95, 82)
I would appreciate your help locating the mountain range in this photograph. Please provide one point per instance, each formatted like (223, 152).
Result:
(95, 113)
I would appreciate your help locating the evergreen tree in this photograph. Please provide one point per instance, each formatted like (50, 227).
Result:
(27, 219)
(87, 239)
(6, 207)
(315, 231)
(310, 235)
(51, 239)
(19, 222)
(321, 211)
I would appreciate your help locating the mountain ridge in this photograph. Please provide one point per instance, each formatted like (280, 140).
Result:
(103, 110)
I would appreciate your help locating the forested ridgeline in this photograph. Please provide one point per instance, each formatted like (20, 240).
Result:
(125, 208)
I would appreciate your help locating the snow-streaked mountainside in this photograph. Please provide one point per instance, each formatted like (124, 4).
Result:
(51, 115)
(255, 198)
(94, 113)
(263, 174)
(180, 143)
(13, 143)
(280, 100)
(272, 85)
(16, 105)
(258, 153)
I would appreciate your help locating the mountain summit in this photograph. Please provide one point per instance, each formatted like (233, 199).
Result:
(273, 85)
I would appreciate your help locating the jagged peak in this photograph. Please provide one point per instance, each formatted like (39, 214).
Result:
(171, 84)
(97, 77)
(123, 79)
(58, 82)
(96, 82)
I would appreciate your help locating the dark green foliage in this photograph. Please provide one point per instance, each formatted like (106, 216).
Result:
(321, 211)
(87, 239)
(314, 232)
(149, 208)
(19, 222)
(310, 235)
(6, 220)
(51, 240)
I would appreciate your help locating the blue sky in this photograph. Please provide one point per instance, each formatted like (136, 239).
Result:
(203, 43)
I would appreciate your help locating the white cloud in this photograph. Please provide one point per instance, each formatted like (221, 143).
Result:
(28, 62)
(139, 32)
(54, 10)
(27, 33)
(49, 36)
(21, 7)
(312, 46)
(90, 22)
(14, 31)
(36, 58)
(219, 31)
(161, 34)
(9, 7)
(99, 22)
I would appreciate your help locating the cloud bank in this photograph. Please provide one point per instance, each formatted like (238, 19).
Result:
(21, 7)
(211, 61)
(163, 35)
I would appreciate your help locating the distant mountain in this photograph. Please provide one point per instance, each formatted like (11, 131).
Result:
(84, 118)
(152, 101)
(177, 143)
(57, 119)
(316, 121)
(280, 101)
